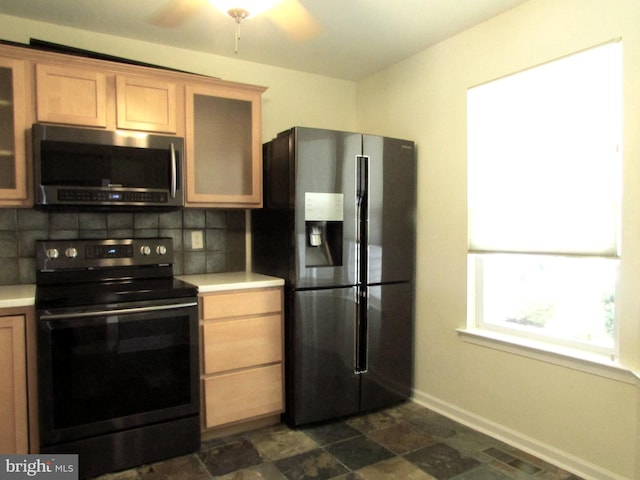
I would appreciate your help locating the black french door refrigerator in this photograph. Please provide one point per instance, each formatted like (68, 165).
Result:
(338, 224)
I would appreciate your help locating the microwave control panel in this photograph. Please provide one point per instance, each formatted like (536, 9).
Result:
(111, 196)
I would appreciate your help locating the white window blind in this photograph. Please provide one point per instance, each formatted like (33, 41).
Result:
(544, 152)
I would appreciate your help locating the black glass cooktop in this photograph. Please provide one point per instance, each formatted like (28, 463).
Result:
(111, 292)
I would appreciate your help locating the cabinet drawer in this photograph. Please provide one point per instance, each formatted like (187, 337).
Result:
(242, 395)
(241, 343)
(236, 304)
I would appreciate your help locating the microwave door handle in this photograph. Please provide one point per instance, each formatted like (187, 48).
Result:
(174, 173)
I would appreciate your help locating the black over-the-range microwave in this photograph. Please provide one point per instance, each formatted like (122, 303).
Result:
(104, 170)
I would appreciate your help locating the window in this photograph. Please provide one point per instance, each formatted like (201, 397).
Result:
(544, 190)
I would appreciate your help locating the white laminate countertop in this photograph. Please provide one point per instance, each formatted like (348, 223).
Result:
(17, 296)
(218, 282)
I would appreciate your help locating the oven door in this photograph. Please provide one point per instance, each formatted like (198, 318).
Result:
(104, 370)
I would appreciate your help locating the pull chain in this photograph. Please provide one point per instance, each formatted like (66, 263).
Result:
(237, 35)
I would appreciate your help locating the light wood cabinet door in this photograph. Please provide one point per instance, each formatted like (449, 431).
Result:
(224, 146)
(71, 95)
(240, 395)
(147, 104)
(13, 124)
(14, 433)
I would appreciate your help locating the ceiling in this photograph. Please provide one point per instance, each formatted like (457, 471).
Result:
(359, 37)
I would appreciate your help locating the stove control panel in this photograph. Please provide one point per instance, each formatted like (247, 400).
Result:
(53, 255)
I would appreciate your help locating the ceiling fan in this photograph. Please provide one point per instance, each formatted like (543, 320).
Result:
(289, 15)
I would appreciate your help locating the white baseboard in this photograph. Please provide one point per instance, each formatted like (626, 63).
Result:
(545, 452)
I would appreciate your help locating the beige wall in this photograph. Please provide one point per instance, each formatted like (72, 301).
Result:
(293, 98)
(587, 421)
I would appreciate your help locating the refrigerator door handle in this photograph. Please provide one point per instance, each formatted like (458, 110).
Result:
(361, 334)
(362, 216)
(362, 231)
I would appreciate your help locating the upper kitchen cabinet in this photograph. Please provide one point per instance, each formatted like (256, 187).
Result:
(221, 121)
(223, 145)
(147, 104)
(71, 95)
(78, 95)
(13, 125)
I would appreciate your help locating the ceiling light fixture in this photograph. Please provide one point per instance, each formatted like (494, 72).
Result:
(241, 10)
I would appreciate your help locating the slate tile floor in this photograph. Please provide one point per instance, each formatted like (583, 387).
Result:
(405, 442)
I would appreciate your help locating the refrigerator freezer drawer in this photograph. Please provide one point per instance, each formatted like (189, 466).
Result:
(389, 376)
(322, 383)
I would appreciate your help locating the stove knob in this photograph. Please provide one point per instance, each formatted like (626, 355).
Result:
(71, 252)
(52, 253)
(145, 250)
(161, 250)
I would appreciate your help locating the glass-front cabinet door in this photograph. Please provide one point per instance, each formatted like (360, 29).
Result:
(13, 124)
(223, 146)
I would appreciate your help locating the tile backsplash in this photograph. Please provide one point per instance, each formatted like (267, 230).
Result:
(223, 234)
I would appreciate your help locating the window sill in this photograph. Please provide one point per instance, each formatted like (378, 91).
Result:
(565, 357)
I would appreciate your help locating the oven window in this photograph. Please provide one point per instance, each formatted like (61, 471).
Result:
(119, 366)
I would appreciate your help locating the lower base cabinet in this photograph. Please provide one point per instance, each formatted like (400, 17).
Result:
(14, 432)
(242, 356)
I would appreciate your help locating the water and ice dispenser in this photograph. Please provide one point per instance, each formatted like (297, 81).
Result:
(324, 217)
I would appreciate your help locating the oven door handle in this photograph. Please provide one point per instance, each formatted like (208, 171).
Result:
(122, 311)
